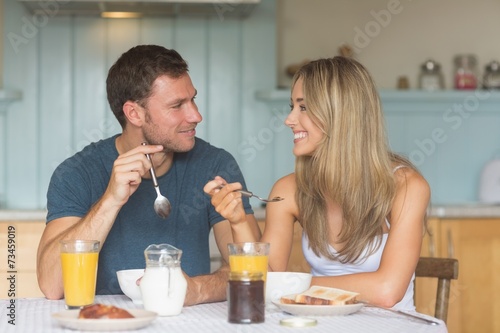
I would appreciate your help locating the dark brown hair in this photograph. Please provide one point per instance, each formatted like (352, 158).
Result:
(132, 75)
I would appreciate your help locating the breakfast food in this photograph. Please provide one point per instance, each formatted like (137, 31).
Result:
(317, 295)
(288, 300)
(101, 311)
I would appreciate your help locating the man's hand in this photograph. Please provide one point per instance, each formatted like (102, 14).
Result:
(193, 291)
(127, 172)
(207, 288)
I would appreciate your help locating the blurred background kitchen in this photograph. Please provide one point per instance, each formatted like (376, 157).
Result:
(55, 64)
(55, 56)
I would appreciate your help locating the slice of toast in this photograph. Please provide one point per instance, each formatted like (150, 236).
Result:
(289, 299)
(317, 295)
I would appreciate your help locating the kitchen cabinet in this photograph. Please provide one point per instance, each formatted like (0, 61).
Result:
(24, 237)
(476, 244)
(475, 296)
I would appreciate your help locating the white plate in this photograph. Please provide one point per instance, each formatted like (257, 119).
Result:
(318, 310)
(69, 319)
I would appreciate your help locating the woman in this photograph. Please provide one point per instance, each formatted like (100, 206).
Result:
(362, 208)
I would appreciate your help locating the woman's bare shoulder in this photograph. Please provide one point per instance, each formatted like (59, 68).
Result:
(285, 183)
(407, 177)
(411, 185)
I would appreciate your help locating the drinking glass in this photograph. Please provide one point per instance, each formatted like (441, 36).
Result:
(79, 269)
(250, 257)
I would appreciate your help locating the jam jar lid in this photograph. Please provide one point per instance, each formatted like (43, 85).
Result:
(298, 322)
(465, 60)
(245, 276)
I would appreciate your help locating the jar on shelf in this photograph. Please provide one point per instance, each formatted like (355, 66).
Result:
(491, 79)
(430, 77)
(465, 72)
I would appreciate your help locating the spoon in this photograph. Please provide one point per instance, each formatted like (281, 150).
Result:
(250, 194)
(161, 206)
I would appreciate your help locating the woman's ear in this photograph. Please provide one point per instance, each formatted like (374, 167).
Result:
(134, 113)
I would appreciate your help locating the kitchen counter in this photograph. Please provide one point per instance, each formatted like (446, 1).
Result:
(466, 210)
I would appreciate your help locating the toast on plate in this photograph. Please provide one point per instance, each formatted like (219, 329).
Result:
(317, 295)
(289, 299)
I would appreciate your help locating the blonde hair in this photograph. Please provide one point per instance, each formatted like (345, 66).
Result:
(352, 166)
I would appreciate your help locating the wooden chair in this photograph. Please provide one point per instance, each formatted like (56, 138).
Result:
(444, 269)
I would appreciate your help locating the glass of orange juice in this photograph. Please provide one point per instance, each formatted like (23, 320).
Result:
(249, 257)
(79, 270)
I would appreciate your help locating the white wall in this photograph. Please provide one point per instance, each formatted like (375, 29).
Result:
(415, 31)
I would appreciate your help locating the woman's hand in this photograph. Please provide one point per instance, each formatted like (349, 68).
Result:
(226, 199)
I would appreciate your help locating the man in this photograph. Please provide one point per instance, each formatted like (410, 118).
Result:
(105, 192)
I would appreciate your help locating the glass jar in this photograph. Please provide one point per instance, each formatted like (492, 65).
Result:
(431, 78)
(491, 79)
(245, 296)
(465, 72)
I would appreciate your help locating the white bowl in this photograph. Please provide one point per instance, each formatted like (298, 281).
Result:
(284, 283)
(127, 280)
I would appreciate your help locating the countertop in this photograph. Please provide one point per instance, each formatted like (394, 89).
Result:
(465, 210)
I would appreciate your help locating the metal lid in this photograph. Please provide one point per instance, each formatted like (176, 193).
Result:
(430, 66)
(298, 322)
(493, 66)
(246, 276)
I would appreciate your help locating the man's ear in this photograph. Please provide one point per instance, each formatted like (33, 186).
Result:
(134, 113)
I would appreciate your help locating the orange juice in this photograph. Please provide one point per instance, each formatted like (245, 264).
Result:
(79, 277)
(249, 263)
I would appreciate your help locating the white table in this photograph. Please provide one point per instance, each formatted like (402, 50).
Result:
(34, 315)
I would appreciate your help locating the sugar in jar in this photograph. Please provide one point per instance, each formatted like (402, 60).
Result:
(245, 296)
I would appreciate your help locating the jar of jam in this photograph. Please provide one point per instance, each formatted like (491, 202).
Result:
(465, 72)
(245, 296)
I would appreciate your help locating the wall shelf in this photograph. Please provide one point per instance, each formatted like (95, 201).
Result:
(445, 97)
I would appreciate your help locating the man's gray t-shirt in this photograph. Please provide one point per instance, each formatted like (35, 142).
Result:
(82, 179)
